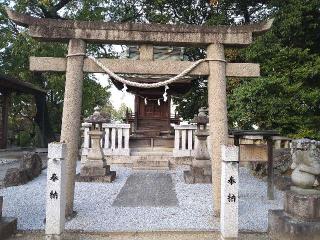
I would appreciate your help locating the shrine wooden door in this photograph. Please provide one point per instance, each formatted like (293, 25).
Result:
(152, 115)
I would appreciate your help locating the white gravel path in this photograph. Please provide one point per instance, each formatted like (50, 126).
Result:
(93, 202)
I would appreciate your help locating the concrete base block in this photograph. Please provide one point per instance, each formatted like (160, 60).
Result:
(54, 237)
(94, 171)
(285, 227)
(109, 177)
(116, 152)
(224, 238)
(8, 226)
(183, 153)
(191, 178)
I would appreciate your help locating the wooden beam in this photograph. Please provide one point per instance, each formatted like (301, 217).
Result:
(253, 153)
(144, 67)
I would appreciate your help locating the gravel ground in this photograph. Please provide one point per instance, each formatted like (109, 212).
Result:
(93, 202)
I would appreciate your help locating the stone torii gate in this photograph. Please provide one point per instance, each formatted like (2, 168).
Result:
(78, 33)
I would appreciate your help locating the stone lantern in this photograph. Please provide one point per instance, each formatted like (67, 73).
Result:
(200, 170)
(95, 167)
(202, 134)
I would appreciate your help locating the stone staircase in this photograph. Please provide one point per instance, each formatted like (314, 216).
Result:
(151, 158)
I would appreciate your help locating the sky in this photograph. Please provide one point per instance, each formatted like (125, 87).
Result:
(117, 96)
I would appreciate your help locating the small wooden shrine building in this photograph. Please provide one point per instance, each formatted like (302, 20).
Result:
(152, 110)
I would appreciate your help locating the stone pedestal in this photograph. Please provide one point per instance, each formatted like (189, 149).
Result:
(300, 218)
(8, 226)
(95, 168)
(200, 172)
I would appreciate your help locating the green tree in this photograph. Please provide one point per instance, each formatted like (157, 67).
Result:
(16, 48)
(287, 97)
(114, 114)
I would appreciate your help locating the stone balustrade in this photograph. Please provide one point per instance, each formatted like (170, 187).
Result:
(86, 138)
(114, 142)
(116, 139)
(184, 140)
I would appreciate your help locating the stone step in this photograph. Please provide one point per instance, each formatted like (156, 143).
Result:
(154, 149)
(154, 153)
(151, 162)
(151, 168)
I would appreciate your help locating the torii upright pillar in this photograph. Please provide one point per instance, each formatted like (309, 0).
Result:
(70, 129)
(217, 100)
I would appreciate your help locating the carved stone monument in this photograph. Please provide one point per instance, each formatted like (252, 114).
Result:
(300, 218)
(95, 167)
(200, 170)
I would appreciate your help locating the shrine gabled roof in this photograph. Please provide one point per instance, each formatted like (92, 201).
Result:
(131, 33)
(12, 84)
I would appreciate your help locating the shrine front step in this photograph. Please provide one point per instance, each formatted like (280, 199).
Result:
(151, 162)
(152, 152)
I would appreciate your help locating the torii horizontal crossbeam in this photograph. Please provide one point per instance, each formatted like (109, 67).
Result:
(143, 67)
(137, 33)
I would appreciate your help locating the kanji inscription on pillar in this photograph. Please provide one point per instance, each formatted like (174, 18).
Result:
(229, 191)
(55, 208)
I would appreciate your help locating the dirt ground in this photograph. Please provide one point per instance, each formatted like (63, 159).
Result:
(139, 236)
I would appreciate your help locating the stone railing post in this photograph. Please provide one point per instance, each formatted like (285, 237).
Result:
(176, 139)
(184, 145)
(86, 141)
(118, 143)
(126, 133)
(56, 191)
(229, 192)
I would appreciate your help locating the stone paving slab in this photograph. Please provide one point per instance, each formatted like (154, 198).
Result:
(147, 190)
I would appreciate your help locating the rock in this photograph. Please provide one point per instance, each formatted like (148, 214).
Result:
(282, 162)
(32, 163)
(15, 177)
(282, 182)
(8, 226)
(30, 167)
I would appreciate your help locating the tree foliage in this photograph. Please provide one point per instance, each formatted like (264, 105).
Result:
(16, 48)
(286, 97)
